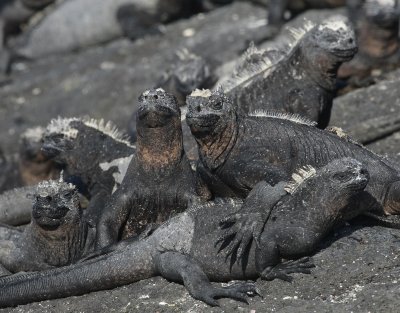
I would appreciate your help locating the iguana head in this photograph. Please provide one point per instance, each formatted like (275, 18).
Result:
(335, 38)
(385, 13)
(81, 143)
(159, 131)
(332, 186)
(157, 109)
(209, 112)
(56, 203)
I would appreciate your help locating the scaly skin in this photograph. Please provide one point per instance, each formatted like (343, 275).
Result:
(307, 74)
(57, 235)
(159, 182)
(241, 151)
(183, 248)
(94, 152)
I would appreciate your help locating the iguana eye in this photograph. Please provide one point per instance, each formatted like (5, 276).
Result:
(216, 105)
(342, 176)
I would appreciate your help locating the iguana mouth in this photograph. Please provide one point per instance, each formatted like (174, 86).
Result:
(51, 149)
(345, 53)
(202, 121)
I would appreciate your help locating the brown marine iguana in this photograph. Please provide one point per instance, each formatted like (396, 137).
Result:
(159, 181)
(237, 152)
(377, 28)
(57, 235)
(307, 74)
(95, 156)
(182, 249)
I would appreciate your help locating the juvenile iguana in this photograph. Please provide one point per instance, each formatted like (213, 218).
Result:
(159, 181)
(307, 74)
(95, 156)
(182, 249)
(57, 235)
(377, 28)
(237, 152)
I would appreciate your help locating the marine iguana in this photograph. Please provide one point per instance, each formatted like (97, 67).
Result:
(57, 235)
(307, 73)
(182, 249)
(159, 181)
(377, 28)
(96, 153)
(277, 8)
(240, 151)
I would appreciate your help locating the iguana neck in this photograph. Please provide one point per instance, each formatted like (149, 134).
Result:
(378, 42)
(62, 246)
(321, 69)
(159, 149)
(215, 148)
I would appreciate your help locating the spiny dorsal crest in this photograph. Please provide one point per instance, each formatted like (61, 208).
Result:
(299, 177)
(53, 187)
(34, 134)
(342, 134)
(284, 116)
(296, 35)
(251, 63)
(63, 126)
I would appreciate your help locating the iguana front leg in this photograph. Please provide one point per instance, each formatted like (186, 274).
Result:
(248, 223)
(114, 215)
(182, 268)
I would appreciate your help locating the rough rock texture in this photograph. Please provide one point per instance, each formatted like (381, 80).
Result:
(360, 112)
(357, 270)
(106, 81)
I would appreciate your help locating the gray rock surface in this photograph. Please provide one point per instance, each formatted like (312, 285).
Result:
(356, 271)
(105, 82)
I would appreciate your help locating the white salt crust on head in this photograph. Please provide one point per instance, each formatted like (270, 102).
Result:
(204, 93)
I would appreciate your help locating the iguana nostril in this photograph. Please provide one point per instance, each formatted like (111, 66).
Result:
(198, 109)
(155, 97)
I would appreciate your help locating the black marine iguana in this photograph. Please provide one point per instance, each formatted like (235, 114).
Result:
(182, 249)
(307, 75)
(94, 152)
(57, 235)
(159, 181)
(377, 28)
(238, 152)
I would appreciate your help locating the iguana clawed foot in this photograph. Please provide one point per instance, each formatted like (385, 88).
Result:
(282, 270)
(242, 228)
(238, 291)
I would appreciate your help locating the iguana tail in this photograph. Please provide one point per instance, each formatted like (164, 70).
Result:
(109, 271)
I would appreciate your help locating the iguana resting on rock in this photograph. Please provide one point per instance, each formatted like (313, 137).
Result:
(238, 152)
(307, 74)
(277, 8)
(93, 152)
(56, 236)
(182, 249)
(159, 181)
(377, 28)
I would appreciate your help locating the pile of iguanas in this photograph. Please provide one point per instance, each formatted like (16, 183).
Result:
(265, 187)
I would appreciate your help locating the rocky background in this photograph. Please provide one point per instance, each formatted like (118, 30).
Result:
(357, 269)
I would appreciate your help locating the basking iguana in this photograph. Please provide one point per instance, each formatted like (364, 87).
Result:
(237, 152)
(159, 181)
(95, 156)
(182, 249)
(57, 235)
(377, 28)
(304, 81)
